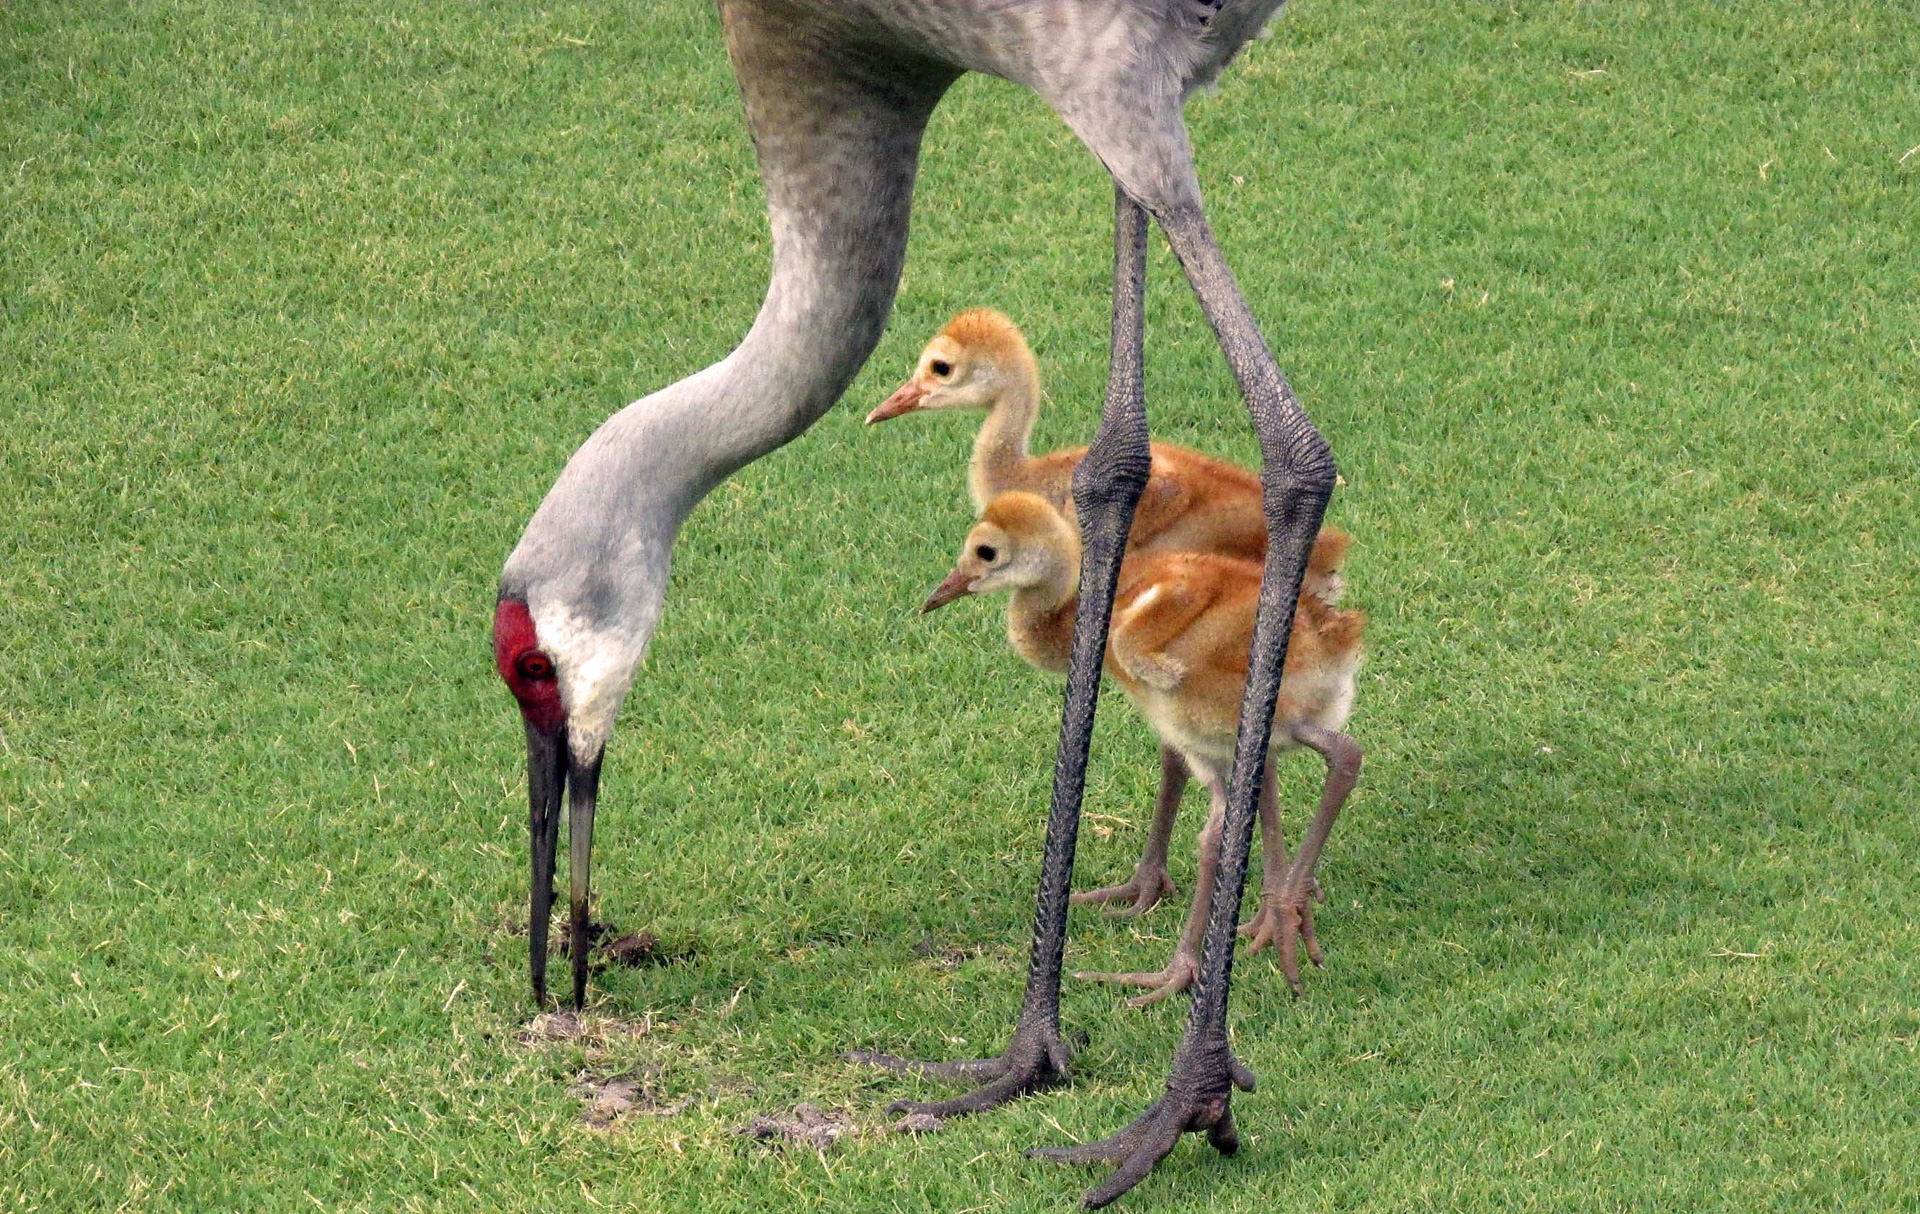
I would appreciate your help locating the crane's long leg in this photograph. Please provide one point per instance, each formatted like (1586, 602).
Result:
(1106, 487)
(1150, 881)
(1297, 475)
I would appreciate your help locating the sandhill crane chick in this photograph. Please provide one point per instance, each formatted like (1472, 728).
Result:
(981, 362)
(1177, 647)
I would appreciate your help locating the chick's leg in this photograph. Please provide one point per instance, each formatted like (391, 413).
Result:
(1184, 967)
(1264, 926)
(1149, 882)
(1286, 903)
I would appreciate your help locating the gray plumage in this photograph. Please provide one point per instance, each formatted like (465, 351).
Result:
(837, 94)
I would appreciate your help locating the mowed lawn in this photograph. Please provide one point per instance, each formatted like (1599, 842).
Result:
(1611, 310)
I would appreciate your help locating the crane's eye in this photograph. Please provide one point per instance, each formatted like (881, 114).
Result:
(534, 665)
(940, 367)
(985, 552)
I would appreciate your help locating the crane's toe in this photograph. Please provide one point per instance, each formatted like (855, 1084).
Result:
(1198, 1100)
(1035, 1059)
(962, 1069)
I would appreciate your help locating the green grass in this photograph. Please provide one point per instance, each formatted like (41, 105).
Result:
(1610, 310)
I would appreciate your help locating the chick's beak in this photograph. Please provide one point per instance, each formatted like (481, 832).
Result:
(959, 584)
(906, 400)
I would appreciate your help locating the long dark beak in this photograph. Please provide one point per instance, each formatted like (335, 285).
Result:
(546, 777)
(906, 400)
(958, 585)
(585, 794)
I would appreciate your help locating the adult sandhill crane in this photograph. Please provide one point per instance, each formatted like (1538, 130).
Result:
(837, 94)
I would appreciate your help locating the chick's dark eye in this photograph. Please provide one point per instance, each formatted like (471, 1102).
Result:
(535, 665)
(940, 367)
(985, 552)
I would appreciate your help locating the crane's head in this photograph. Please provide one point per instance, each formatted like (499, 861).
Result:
(1020, 543)
(529, 671)
(569, 682)
(579, 598)
(970, 364)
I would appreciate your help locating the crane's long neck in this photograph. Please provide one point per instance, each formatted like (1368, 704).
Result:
(838, 139)
(1003, 447)
(838, 143)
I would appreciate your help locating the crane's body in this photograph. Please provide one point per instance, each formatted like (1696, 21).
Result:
(837, 94)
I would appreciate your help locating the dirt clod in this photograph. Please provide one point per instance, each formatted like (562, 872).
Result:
(634, 948)
(606, 1099)
(942, 954)
(806, 1127)
(606, 945)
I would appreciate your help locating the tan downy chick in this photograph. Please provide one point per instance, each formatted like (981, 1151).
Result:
(1182, 624)
(980, 361)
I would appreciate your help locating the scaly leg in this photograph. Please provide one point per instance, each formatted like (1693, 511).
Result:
(1184, 966)
(1273, 870)
(1273, 840)
(1297, 475)
(1149, 881)
(1286, 905)
(1106, 487)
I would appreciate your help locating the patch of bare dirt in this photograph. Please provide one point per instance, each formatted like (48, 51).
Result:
(605, 1099)
(807, 1126)
(595, 1032)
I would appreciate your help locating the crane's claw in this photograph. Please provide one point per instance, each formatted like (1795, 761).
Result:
(1034, 1060)
(1198, 1097)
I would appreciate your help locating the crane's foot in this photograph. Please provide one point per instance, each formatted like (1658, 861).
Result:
(1180, 973)
(1199, 1097)
(1035, 1059)
(1286, 923)
(1143, 891)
